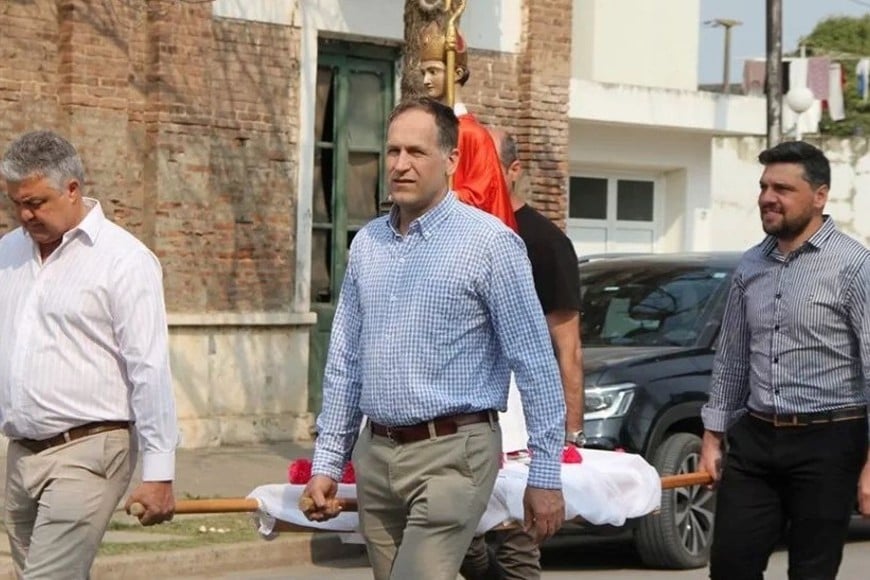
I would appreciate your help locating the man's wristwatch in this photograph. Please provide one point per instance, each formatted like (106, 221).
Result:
(576, 438)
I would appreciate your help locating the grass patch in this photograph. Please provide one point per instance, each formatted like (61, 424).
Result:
(238, 528)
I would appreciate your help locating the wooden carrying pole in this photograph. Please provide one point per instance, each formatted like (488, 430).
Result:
(240, 504)
(668, 482)
(207, 506)
(686, 480)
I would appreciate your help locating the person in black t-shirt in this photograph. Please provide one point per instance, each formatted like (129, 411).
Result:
(512, 553)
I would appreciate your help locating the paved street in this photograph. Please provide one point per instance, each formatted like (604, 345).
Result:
(574, 557)
(234, 471)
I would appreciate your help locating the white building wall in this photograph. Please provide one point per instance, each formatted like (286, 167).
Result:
(650, 43)
(735, 174)
(679, 159)
(689, 110)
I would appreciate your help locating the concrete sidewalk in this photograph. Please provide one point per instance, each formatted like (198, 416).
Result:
(210, 473)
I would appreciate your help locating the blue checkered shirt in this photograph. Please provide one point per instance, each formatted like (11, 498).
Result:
(431, 324)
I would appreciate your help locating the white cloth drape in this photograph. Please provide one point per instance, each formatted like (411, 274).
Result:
(606, 488)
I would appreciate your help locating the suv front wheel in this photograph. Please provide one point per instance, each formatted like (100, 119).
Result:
(678, 536)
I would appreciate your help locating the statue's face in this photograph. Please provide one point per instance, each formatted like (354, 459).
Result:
(434, 78)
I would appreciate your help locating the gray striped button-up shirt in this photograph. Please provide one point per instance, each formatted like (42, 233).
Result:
(796, 333)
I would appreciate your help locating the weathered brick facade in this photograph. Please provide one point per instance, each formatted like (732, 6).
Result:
(527, 94)
(492, 92)
(545, 73)
(29, 76)
(187, 125)
(189, 128)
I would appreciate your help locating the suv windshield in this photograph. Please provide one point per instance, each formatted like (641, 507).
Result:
(637, 304)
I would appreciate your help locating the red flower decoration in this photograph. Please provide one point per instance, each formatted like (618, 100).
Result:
(570, 454)
(299, 471)
(349, 475)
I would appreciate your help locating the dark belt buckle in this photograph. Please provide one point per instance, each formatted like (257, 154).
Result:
(792, 421)
(390, 436)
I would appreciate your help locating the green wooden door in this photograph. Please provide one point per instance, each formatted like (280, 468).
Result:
(354, 99)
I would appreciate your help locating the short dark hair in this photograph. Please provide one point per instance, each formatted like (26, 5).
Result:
(817, 168)
(445, 119)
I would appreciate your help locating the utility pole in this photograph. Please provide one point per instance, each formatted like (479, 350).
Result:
(727, 24)
(774, 72)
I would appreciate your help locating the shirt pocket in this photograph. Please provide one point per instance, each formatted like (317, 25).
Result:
(825, 300)
(450, 305)
(820, 311)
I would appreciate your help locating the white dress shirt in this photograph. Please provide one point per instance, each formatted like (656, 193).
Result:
(83, 338)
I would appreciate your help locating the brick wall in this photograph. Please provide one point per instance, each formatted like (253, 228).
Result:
(224, 140)
(29, 55)
(544, 79)
(187, 126)
(527, 94)
(492, 91)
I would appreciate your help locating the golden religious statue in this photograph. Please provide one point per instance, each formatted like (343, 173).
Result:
(443, 56)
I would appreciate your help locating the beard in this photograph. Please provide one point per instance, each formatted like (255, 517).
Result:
(785, 227)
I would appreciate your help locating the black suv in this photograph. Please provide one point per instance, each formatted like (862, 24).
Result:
(649, 323)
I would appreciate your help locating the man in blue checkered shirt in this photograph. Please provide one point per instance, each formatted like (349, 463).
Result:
(437, 308)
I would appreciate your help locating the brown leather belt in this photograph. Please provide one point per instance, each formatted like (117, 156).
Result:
(440, 426)
(804, 419)
(86, 430)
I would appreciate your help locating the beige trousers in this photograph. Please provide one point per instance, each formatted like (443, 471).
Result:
(59, 502)
(421, 502)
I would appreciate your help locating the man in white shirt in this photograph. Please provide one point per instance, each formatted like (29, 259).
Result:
(84, 366)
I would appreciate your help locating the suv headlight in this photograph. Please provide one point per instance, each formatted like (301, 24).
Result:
(608, 402)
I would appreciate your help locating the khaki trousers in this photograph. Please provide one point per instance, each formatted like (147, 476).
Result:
(420, 502)
(59, 502)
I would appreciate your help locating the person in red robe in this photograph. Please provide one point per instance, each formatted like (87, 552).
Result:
(478, 180)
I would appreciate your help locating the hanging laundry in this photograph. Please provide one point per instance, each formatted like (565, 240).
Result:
(862, 74)
(754, 73)
(818, 78)
(836, 106)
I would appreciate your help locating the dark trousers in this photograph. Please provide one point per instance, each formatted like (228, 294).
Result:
(792, 483)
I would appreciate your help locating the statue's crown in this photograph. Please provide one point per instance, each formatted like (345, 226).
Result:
(433, 45)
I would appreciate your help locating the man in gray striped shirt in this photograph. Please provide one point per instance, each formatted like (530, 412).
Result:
(790, 382)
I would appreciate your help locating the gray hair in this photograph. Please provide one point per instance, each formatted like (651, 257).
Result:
(42, 154)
